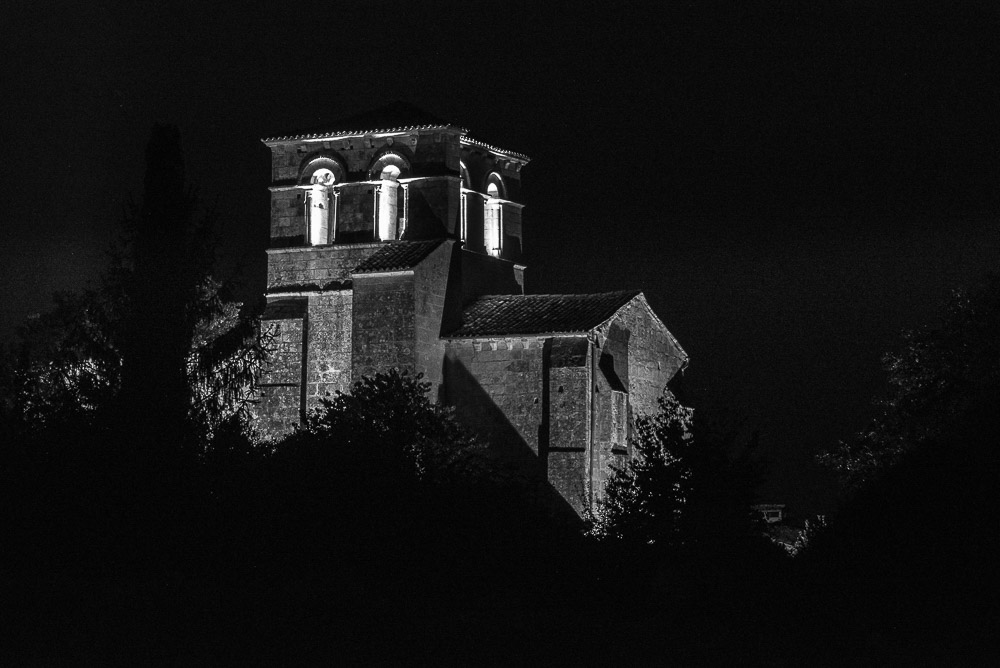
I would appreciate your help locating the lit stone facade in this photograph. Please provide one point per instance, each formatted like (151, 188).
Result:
(396, 242)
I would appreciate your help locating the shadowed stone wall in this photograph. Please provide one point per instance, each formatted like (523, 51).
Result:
(280, 389)
(496, 386)
(570, 419)
(565, 400)
(431, 296)
(433, 207)
(355, 214)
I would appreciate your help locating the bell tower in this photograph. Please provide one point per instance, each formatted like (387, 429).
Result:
(361, 210)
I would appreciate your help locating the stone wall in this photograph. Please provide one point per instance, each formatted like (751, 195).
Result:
(384, 327)
(328, 345)
(430, 299)
(279, 405)
(569, 420)
(496, 386)
(288, 223)
(610, 429)
(315, 268)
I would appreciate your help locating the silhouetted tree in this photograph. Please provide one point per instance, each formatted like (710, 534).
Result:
(166, 263)
(158, 338)
(911, 552)
(387, 424)
(688, 484)
(64, 364)
(940, 377)
(645, 500)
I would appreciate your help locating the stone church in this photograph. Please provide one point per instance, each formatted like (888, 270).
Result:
(397, 241)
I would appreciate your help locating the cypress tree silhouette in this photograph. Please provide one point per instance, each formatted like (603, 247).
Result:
(168, 259)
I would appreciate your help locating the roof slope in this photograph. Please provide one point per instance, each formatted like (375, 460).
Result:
(397, 256)
(499, 315)
(392, 117)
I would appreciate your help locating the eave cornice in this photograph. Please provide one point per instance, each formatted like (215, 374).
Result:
(339, 134)
(510, 155)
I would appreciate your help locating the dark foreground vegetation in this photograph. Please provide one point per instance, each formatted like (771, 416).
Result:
(143, 522)
(381, 532)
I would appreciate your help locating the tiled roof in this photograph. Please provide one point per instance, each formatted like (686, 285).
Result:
(500, 315)
(397, 256)
(396, 117)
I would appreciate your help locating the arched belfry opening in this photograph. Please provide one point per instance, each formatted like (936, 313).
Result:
(495, 186)
(493, 214)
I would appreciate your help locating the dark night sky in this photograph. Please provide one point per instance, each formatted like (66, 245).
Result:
(790, 183)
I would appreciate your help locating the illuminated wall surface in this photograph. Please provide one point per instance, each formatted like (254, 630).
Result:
(396, 241)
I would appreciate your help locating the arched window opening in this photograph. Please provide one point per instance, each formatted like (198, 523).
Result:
(495, 187)
(493, 215)
(387, 161)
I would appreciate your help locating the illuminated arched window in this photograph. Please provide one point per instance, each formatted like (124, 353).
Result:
(493, 215)
(495, 186)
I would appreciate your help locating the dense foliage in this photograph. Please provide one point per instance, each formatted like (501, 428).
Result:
(158, 342)
(941, 380)
(387, 424)
(645, 500)
(688, 484)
